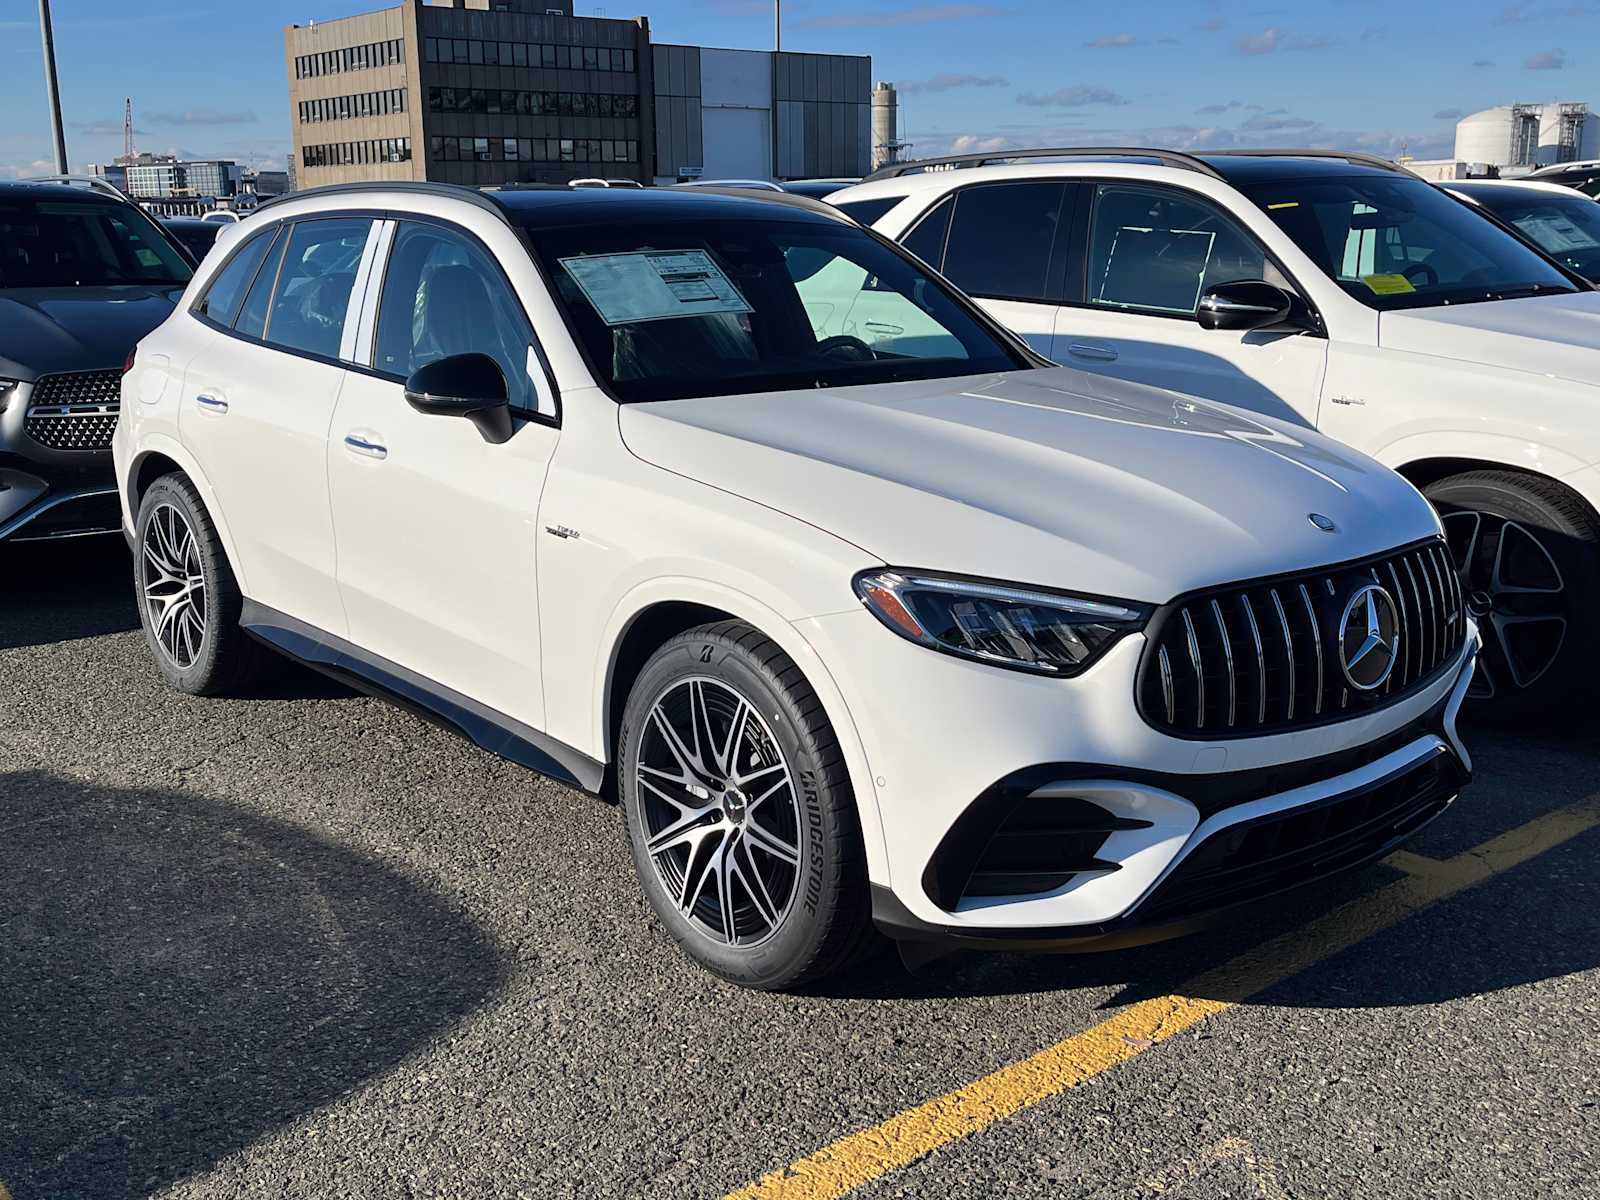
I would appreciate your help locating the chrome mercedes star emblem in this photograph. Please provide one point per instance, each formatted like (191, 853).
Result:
(1369, 638)
(1323, 523)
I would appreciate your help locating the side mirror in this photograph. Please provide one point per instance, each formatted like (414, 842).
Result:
(464, 385)
(1248, 304)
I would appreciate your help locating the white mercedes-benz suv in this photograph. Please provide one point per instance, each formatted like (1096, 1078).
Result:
(1336, 291)
(922, 634)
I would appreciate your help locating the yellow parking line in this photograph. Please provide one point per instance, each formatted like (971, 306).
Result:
(859, 1158)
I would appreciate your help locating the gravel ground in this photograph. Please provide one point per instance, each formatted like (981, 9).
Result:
(307, 945)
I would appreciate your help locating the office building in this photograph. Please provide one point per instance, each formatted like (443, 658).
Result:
(489, 92)
(164, 177)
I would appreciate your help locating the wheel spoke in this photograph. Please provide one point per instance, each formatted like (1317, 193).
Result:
(689, 830)
(745, 780)
(705, 746)
(730, 748)
(769, 793)
(774, 845)
(724, 869)
(750, 879)
(687, 760)
(697, 870)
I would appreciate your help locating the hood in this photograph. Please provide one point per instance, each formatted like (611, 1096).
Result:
(1052, 477)
(76, 328)
(1545, 335)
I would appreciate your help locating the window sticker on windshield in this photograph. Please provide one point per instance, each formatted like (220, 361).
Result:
(1556, 232)
(654, 286)
(1388, 285)
(1285, 204)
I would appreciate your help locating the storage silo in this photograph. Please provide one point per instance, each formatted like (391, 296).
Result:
(886, 143)
(1529, 135)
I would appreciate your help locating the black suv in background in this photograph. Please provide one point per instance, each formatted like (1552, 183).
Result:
(84, 274)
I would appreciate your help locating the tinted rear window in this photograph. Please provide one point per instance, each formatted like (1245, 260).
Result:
(867, 212)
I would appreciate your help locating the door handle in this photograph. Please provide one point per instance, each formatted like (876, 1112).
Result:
(1092, 353)
(362, 446)
(209, 403)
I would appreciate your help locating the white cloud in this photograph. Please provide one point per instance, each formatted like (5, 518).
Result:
(1079, 96)
(946, 83)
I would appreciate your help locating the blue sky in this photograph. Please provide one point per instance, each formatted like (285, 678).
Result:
(207, 79)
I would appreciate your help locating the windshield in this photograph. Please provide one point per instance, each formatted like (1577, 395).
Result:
(671, 310)
(1565, 224)
(72, 243)
(1402, 243)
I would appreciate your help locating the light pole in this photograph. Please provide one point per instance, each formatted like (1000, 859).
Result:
(777, 25)
(52, 93)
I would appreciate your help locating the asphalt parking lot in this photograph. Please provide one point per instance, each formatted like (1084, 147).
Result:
(307, 945)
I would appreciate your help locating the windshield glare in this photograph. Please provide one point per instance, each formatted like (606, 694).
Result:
(69, 243)
(1402, 243)
(1565, 225)
(676, 309)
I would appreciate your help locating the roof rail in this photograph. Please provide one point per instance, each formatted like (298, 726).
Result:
(455, 191)
(1586, 164)
(97, 183)
(1166, 158)
(791, 199)
(1355, 159)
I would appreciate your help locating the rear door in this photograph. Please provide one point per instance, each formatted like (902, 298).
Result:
(1142, 255)
(258, 401)
(998, 242)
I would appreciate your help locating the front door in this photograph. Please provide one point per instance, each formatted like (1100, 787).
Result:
(437, 528)
(1150, 253)
(258, 400)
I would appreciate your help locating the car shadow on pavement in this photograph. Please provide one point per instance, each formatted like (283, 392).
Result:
(1539, 920)
(58, 591)
(179, 978)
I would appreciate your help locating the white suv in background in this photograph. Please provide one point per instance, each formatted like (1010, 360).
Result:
(1338, 291)
(924, 631)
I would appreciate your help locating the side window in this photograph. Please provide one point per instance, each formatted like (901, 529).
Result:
(226, 291)
(313, 293)
(926, 241)
(1156, 250)
(442, 295)
(1001, 239)
(252, 320)
(866, 212)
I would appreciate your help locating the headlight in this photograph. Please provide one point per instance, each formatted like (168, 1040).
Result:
(1048, 633)
(7, 386)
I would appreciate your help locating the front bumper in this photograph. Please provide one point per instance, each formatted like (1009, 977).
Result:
(950, 737)
(48, 493)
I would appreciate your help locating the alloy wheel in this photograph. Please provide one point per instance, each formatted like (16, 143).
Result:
(172, 583)
(1515, 591)
(720, 813)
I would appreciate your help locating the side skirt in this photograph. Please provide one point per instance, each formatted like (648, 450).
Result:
(493, 731)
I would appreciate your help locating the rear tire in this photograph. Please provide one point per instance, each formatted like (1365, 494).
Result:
(189, 602)
(1527, 551)
(740, 813)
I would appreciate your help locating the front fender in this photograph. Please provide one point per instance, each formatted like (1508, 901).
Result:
(1491, 449)
(681, 589)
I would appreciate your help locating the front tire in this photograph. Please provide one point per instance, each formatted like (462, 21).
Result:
(1527, 552)
(189, 602)
(740, 813)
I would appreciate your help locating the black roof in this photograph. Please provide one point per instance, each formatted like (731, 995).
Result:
(1250, 168)
(546, 207)
(30, 190)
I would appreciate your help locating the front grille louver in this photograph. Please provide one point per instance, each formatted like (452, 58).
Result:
(1262, 658)
(76, 410)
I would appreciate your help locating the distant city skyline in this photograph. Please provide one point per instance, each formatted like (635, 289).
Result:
(208, 80)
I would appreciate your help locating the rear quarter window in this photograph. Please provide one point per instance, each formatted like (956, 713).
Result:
(867, 212)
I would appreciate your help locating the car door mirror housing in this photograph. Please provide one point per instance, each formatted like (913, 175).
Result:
(464, 385)
(1247, 304)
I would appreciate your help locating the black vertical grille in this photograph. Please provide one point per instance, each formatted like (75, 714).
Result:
(1264, 657)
